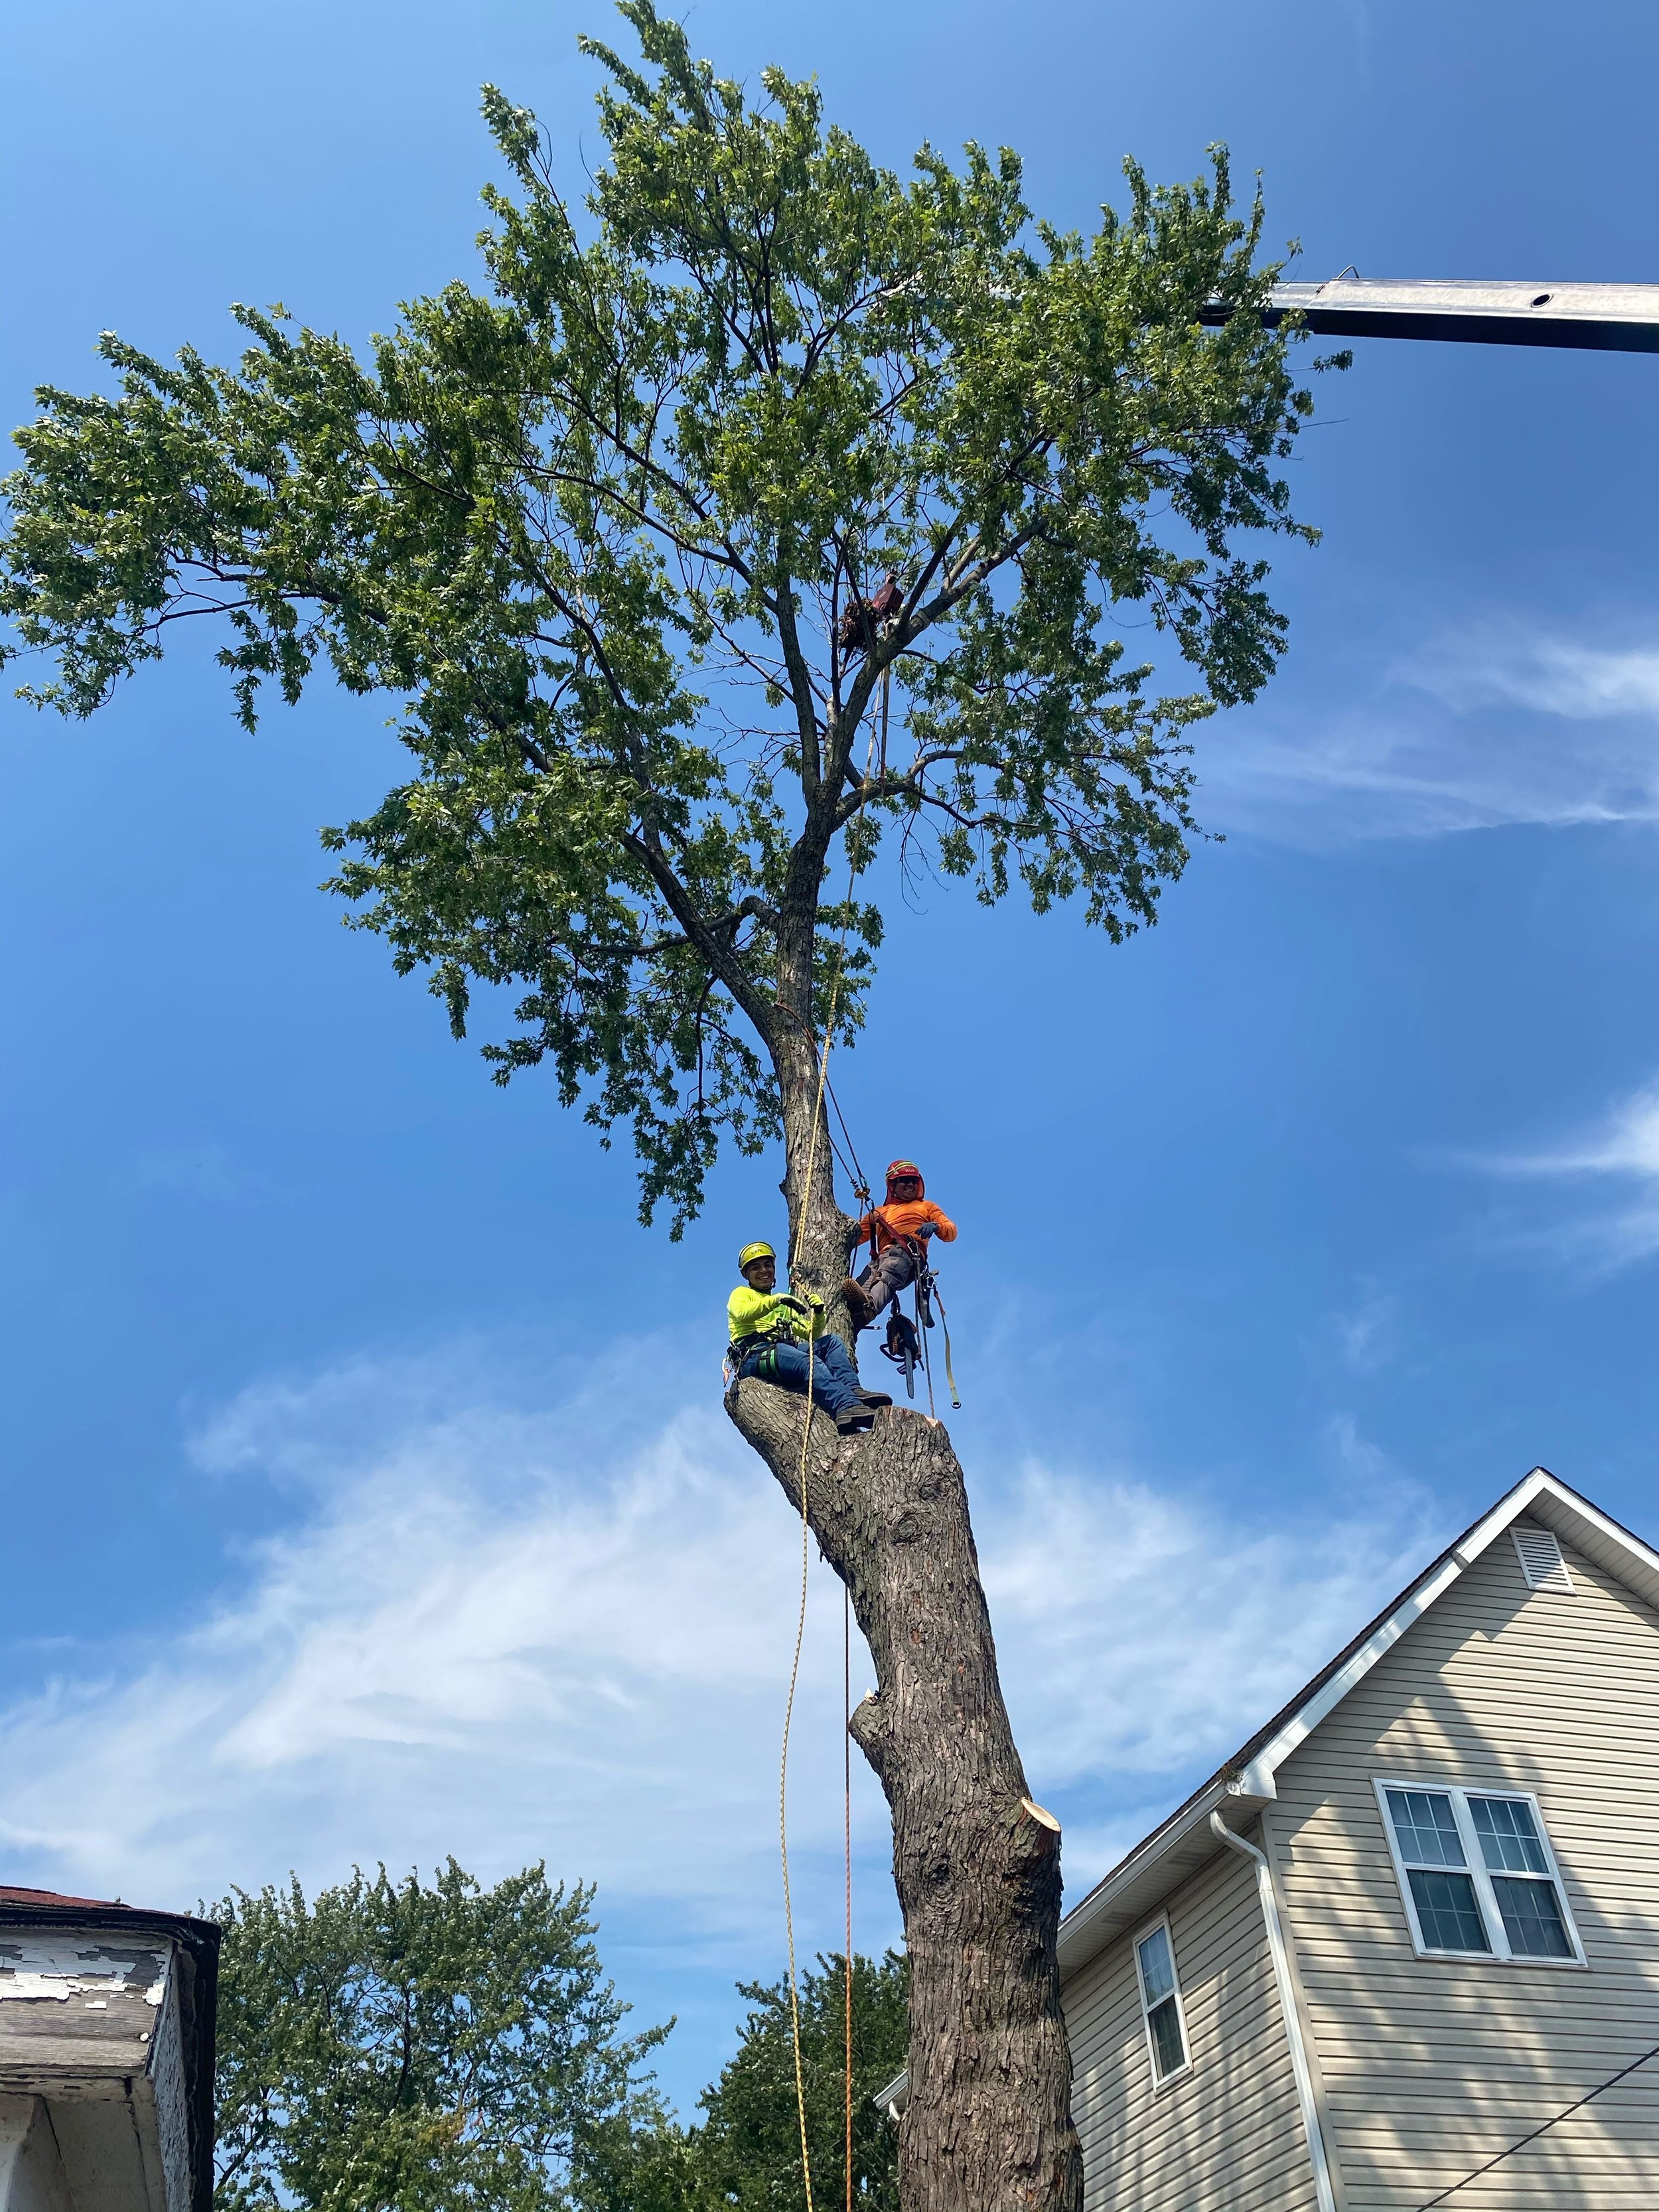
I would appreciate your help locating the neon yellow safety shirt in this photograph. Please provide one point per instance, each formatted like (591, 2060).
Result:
(752, 1312)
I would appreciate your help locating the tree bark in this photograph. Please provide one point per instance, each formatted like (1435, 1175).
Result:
(987, 2126)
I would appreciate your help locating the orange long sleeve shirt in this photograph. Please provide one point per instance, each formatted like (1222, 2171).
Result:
(893, 1222)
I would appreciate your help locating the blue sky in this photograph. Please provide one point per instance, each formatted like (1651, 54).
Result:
(367, 1494)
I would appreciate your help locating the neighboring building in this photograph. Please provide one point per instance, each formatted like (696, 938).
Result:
(1402, 1949)
(106, 2017)
(1414, 1920)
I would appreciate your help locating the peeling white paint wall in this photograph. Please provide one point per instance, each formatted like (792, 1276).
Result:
(80, 1967)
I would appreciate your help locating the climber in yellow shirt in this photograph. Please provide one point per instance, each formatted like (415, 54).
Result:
(770, 1331)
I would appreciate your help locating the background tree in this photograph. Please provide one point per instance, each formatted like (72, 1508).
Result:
(746, 2153)
(390, 2047)
(615, 534)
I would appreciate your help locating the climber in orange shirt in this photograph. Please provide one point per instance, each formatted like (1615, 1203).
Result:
(897, 1230)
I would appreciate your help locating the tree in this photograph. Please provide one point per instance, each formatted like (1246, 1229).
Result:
(616, 534)
(393, 2048)
(746, 2155)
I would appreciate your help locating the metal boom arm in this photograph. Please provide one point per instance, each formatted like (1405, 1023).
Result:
(1609, 318)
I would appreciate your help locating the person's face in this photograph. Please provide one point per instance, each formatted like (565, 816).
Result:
(906, 1189)
(761, 1274)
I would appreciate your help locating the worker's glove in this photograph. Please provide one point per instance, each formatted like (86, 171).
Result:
(928, 1228)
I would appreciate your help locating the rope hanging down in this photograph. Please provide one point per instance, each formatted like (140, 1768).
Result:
(800, 1617)
(847, 1845)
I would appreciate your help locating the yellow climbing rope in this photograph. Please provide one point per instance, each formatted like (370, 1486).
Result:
(847, 1846)
(800, 1617)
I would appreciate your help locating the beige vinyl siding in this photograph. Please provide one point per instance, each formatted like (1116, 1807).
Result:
(1432, 2066)
(1228, 2132)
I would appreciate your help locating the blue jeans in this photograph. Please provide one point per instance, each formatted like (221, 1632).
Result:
(835, 1385)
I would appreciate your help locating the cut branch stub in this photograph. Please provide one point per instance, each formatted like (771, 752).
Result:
(976, 1861)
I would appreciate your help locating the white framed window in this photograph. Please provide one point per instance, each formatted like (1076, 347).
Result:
(1478, 1875)
(1160, 2003)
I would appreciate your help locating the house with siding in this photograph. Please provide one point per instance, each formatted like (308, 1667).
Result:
(1402, 1949)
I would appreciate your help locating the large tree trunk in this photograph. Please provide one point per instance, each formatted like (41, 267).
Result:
(987, 2127)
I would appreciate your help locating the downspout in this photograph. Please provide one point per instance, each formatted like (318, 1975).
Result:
(1304, 2090)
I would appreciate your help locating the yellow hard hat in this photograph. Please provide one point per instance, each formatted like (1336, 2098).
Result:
(753, 1252)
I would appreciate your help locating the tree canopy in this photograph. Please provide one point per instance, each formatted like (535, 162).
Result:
(611, 532)
(392, 2047)
(389, 2046)
(745, 2154)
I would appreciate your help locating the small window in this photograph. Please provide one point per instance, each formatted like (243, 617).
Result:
(1541, 1558)
(1479, 1877)
(1160, 2001)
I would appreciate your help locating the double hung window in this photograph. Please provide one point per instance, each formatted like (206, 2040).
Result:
(1478, 1874)
(1160, 2001)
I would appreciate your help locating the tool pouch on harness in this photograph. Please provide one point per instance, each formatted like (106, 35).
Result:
(739, 1349)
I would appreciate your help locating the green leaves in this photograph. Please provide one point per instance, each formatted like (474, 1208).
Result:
(748, 2150)
(746, 2155)
(606, 534)
(389, 2046)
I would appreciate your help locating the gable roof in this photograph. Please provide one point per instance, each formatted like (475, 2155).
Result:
(1243, 1784)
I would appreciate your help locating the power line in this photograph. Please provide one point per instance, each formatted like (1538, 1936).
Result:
(1601, 2090)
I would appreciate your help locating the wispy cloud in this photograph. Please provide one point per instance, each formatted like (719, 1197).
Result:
(1496, 726)
(1547, 676)
(1364, 1333)
(1621, 1154)
(509, 1631)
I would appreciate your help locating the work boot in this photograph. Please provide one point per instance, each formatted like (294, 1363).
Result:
(855, 1420)
(874, 1398)
(862, 1309)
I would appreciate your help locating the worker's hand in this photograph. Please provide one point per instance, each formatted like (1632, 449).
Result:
(928, 1228)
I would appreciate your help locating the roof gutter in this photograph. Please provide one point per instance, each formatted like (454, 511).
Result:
(1116, 1899)
(1323, 2189)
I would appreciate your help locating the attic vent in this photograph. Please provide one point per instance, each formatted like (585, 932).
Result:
(1541, 1562)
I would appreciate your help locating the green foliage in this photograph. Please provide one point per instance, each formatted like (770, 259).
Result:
(606, 533)
(746, 2153)
(748, 2149)
(389, 2045)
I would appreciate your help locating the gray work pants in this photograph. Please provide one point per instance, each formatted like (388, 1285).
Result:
(884, 1278)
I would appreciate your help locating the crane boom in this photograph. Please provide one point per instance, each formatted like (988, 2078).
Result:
(1610, 317)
